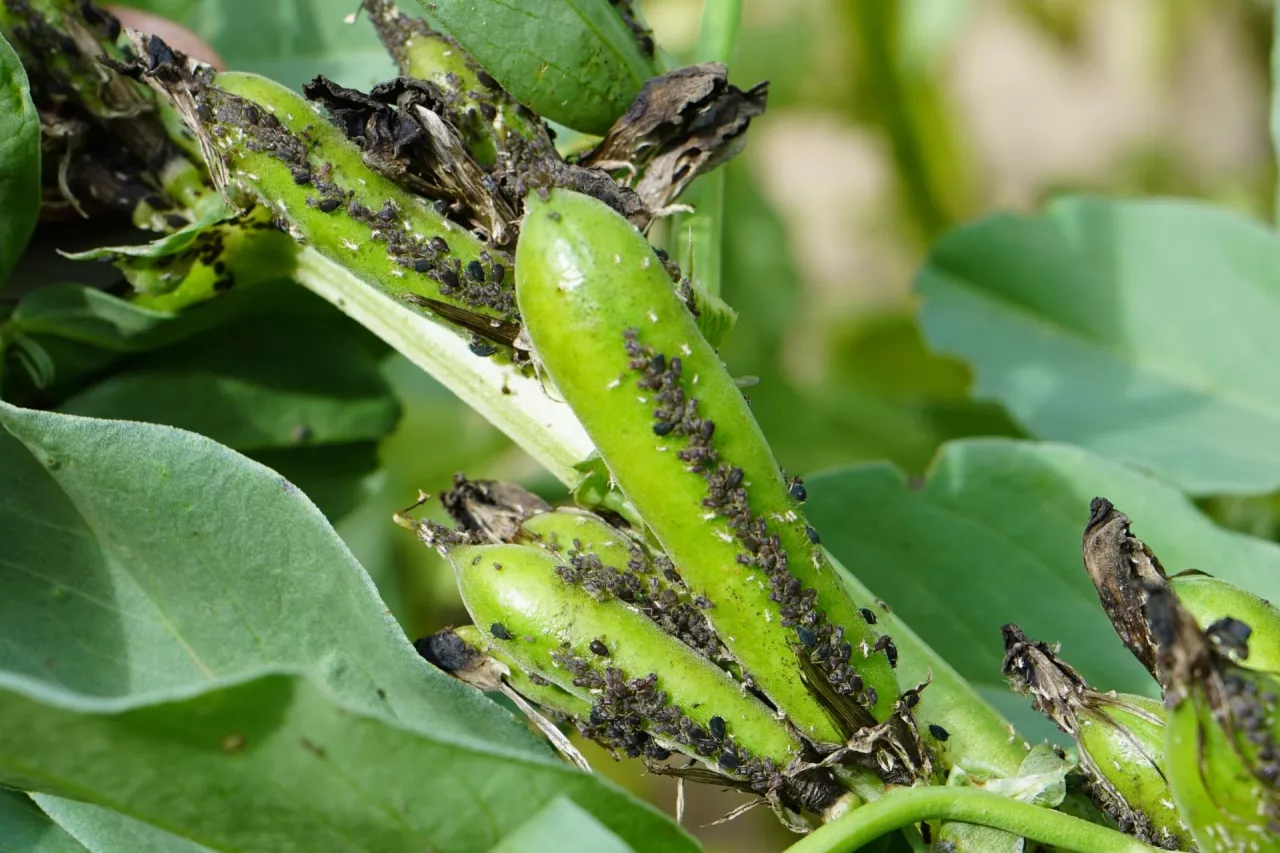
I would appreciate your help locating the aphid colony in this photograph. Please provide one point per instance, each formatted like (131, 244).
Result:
(613, 599)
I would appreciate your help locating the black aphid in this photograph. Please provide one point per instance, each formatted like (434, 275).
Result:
(939, 733)
(439, 244)
(475, 270)
(797, 489)
(663, 428)
(885, 644)
(498, 630)
(328, 205)
(813, 535)
(599, 648)
(806, 636)
(499, 273)
(728, 761)
(868, 614)
(734, 479)
(716, 726)
(422, 265)
(482, 348)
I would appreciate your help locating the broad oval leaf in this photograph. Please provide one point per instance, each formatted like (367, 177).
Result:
(1142, 330)
(19, 160)
(271, 761)
(571, 61)
(993, 536)
(141, 558)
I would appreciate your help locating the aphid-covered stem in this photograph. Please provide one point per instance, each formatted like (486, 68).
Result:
(1222, 734)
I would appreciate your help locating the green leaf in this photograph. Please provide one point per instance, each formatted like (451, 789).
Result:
(105, 831)
(142, 558)
(26, 829)
(1140, 330)
(214, 211)
(19, 160)
(993, 536)
(561, 827)
(271, 761)
(254, 384)
(88, 315)
(571, 61)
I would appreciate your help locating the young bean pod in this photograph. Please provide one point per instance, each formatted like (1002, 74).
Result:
(464, 654)
(1231, 614)
(678, 436)
(648, 692)
(1222, 735)
(609, 561)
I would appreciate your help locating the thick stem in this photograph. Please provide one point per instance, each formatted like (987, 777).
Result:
(700, 233)
(509, 399)
(909, 806)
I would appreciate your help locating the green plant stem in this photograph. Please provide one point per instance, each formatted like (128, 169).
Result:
(718, 34)
(700, 235)
(505, 396)
(910, 111)
(905, 807)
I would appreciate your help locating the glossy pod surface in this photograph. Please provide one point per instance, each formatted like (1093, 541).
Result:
(539, 620)
(603, 317)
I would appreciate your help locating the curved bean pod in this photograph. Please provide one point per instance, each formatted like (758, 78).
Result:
(621, 346)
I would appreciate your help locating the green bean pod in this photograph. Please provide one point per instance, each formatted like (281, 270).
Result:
(276, 149)
(541, 692)
(613, 562)
(1222, 735)
(464, 654)
(1210, 600)
(649, 692)
(557, 629)
(1120, 739)
(626, 354)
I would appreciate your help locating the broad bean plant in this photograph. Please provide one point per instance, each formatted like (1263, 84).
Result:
(530, 211)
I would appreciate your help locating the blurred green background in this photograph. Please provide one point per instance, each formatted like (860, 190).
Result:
(888, 122)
